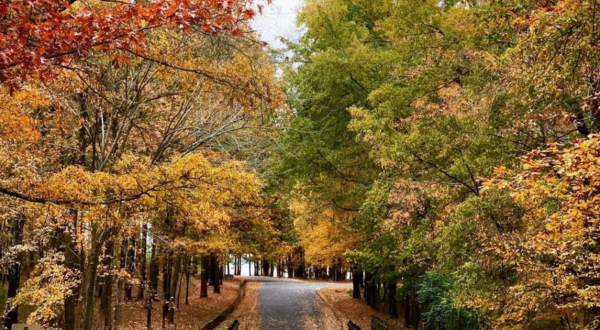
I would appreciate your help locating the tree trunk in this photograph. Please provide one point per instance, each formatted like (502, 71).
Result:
(376, 298)
(411, 311)
(204, 276)
(173, 289)
(407, 313)
(142, 261)
(235, 265)
(416, 313)
(165, 278)
(221, 274)
(301, 267)
(179, 290)
(290, 267)
(214, 261)
(279, 267)
(338, 272)
(335, 271)
(357, 275)
(299, 273)
(107, 285)
(121, 281)
(265, 267)
(392, 303)
(14, 272)
(167, 272)
(187, 282)
(154, 271)
(71, 262)
(149, 310)
(368, 289)
(97, 240)
(175, 276)
(130, 267)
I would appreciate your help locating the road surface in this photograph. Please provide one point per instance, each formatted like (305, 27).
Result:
(287, 304)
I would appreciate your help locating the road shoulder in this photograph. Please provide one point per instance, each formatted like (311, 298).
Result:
(246, 311)
(345, 308)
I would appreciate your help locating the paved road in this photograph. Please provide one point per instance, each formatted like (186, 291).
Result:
(290, 304)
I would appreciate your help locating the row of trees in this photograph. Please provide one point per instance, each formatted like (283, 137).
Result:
(292, 265)
(124, 134)
(447, 149)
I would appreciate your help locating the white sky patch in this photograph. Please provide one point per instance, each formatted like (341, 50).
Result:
(278, 20)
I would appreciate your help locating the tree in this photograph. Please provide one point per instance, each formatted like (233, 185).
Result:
(317, 158)
(41, 36)
(553, 251)
(107, 147)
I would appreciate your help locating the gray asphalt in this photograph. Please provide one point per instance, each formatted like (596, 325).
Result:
(289, 304)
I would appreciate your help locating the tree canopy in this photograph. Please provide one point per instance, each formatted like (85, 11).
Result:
(438, 138)
(444, 153)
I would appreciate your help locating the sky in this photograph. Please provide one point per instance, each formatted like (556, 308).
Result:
(278, 20)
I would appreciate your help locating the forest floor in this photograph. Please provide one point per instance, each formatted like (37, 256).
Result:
(247, 311)
(356, 310)
(193, 316)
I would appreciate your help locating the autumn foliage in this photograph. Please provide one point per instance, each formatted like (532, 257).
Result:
(450, 147)
(36, 37)
(121, 164)
(554, 250)
(442, 154)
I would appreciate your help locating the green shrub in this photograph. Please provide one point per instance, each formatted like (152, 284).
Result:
(434, 294)
(3, 297)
